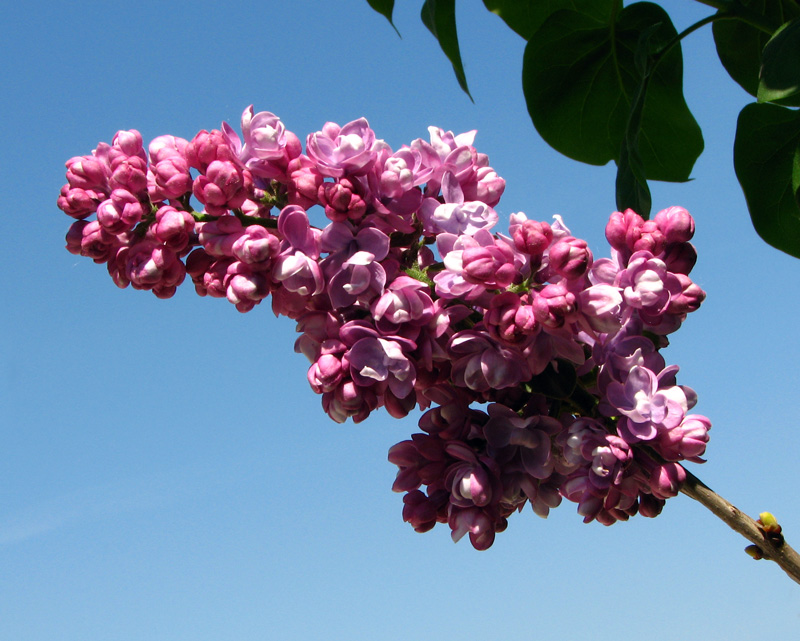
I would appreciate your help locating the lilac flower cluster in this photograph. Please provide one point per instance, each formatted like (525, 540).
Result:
(407, 299)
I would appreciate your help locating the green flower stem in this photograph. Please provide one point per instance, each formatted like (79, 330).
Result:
(783, 554)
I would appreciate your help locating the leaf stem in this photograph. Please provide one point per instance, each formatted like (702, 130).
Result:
(783, 554)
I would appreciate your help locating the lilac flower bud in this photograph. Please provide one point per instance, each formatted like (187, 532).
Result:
(689, 299)
(680, 258)
(173, 228)
(508, 320)
(533, 238)
(256, 245)
(570, 257)
(78, 202)
(475, 521)
(164, 147)
(121, 212)
(342, 200)
(130, 174)
(206, 147)
(492, 266)
(97, 243)
(349, 401)
(75, 236)
(553, 305)
(245, 287)
(666, 480)
(687, 441)
(487, 188)
(305, 181)
(129, 143)
(623, 230)
(325, 373)
(218, 237)
(150, 266)
(421, 511)
(224, 186)
(170, 178)
(87, 172)
(676, 224)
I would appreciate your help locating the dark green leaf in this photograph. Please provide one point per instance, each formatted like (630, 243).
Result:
(766, 156)
(385, 8)
(631, 186)
(580, 78)
(739, 44)
(526, 16)
(780, 66)
(632, 189)
(440, 18)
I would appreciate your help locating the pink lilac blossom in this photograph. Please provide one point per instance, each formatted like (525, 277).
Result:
(537, 367)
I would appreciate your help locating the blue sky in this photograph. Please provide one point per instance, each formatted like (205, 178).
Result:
(167, 474)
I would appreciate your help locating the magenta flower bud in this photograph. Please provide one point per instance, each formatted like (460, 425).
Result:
(689, 299)
(218, 237)
(666, 480)
(244, 287)
(171, 178)
(474, 521)
(206, 147)
(325, 373)
(570, 257)
(676, 224)
(129, 143)
(121, 212)
(77, 202)
(533, 238)
(687, 441)
(305, 182)
(488, 188)
(622, 230)
(341, 200)
(97, 243)
(173, 227)
(680, 258)
(224, 186)
(164, 147)
(87, 172)
(420, 511)
(75, 236)
(147, 264)
(492, 266)
(553, 305)
(256, 245)
(506, 321)
(131, 174)
(650, 238)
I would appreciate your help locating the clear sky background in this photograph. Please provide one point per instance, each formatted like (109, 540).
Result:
(167, 474)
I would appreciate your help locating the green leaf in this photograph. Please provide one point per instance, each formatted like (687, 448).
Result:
(526, 16)
(739, 43)
(780, 67)
(766, 156)
(440, 18)
(632, 190)
(385, 8)
(580, 78)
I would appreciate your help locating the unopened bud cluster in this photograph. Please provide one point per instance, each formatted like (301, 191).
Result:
(538, 366)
